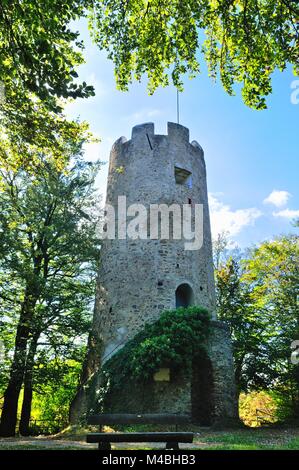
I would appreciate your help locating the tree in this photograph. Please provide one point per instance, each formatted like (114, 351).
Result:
(243, 41)
(38, 59)
(258, 297)
(59, 332)
(220, 249)
(273, 272)
(246, 40)
(257, 409)
(48, 251)
(56, 381)
(247, 326)
(32, 134)
(39, 52)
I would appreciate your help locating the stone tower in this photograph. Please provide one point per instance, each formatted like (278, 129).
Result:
(140, 278)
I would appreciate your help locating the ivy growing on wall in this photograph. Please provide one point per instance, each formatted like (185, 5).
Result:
(173, 341)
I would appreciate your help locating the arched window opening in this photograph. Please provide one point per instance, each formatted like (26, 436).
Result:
(183, 296)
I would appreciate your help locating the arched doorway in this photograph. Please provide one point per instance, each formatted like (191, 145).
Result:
(183, 296)
(202, 391)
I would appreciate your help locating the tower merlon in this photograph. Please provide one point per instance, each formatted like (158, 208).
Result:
(145, 128)
(119, 142)
(177, 132)
(196, 145)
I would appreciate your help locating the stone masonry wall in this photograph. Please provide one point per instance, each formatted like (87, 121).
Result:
(138, 280)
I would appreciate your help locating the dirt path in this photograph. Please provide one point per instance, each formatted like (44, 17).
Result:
(203, 439)
(56, 444)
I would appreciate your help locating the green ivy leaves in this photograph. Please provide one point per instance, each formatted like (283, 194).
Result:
(173, 341)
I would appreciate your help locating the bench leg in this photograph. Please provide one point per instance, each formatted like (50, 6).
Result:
(104, 446)
(172, 445)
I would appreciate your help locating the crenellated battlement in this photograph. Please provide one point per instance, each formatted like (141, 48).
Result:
(176, 133)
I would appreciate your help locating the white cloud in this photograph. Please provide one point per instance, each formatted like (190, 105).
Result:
(287, 213)
(224, 219)
(280, 199)
(277, 198)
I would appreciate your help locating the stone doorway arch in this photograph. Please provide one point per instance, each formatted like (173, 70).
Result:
(183, 296)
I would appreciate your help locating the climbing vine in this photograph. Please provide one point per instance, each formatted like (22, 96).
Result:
(173, 341)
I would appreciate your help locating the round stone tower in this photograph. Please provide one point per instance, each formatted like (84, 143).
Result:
(140, 277)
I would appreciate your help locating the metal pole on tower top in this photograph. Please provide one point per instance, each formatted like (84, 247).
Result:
(178, 105)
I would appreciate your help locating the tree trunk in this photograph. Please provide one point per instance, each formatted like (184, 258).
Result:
(12, 392)
(28, 388)
(26, 406)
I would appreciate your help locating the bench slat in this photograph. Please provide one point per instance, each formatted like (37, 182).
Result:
(138, 419)
(140, 437)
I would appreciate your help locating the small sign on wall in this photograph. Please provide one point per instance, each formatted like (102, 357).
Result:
(162, 375)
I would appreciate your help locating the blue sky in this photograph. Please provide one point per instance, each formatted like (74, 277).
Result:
(249, 154)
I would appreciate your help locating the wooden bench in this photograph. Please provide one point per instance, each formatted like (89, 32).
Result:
(172, 439)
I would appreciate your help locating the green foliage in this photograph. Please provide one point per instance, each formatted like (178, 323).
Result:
(273, 273)
(284, 404)
(48, 228)
(48, 261)
(38, 59)
(31, 134)
(172, 341)
(57, 385)
(242, 41)
(248, 328)
(39, 51)
(258, 298)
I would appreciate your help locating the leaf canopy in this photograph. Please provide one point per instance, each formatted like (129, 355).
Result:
(243, 41)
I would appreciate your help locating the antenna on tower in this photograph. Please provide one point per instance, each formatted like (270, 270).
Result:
(178, 105)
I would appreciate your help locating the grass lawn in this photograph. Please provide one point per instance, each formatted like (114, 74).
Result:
(239, 441)
(205, 439)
